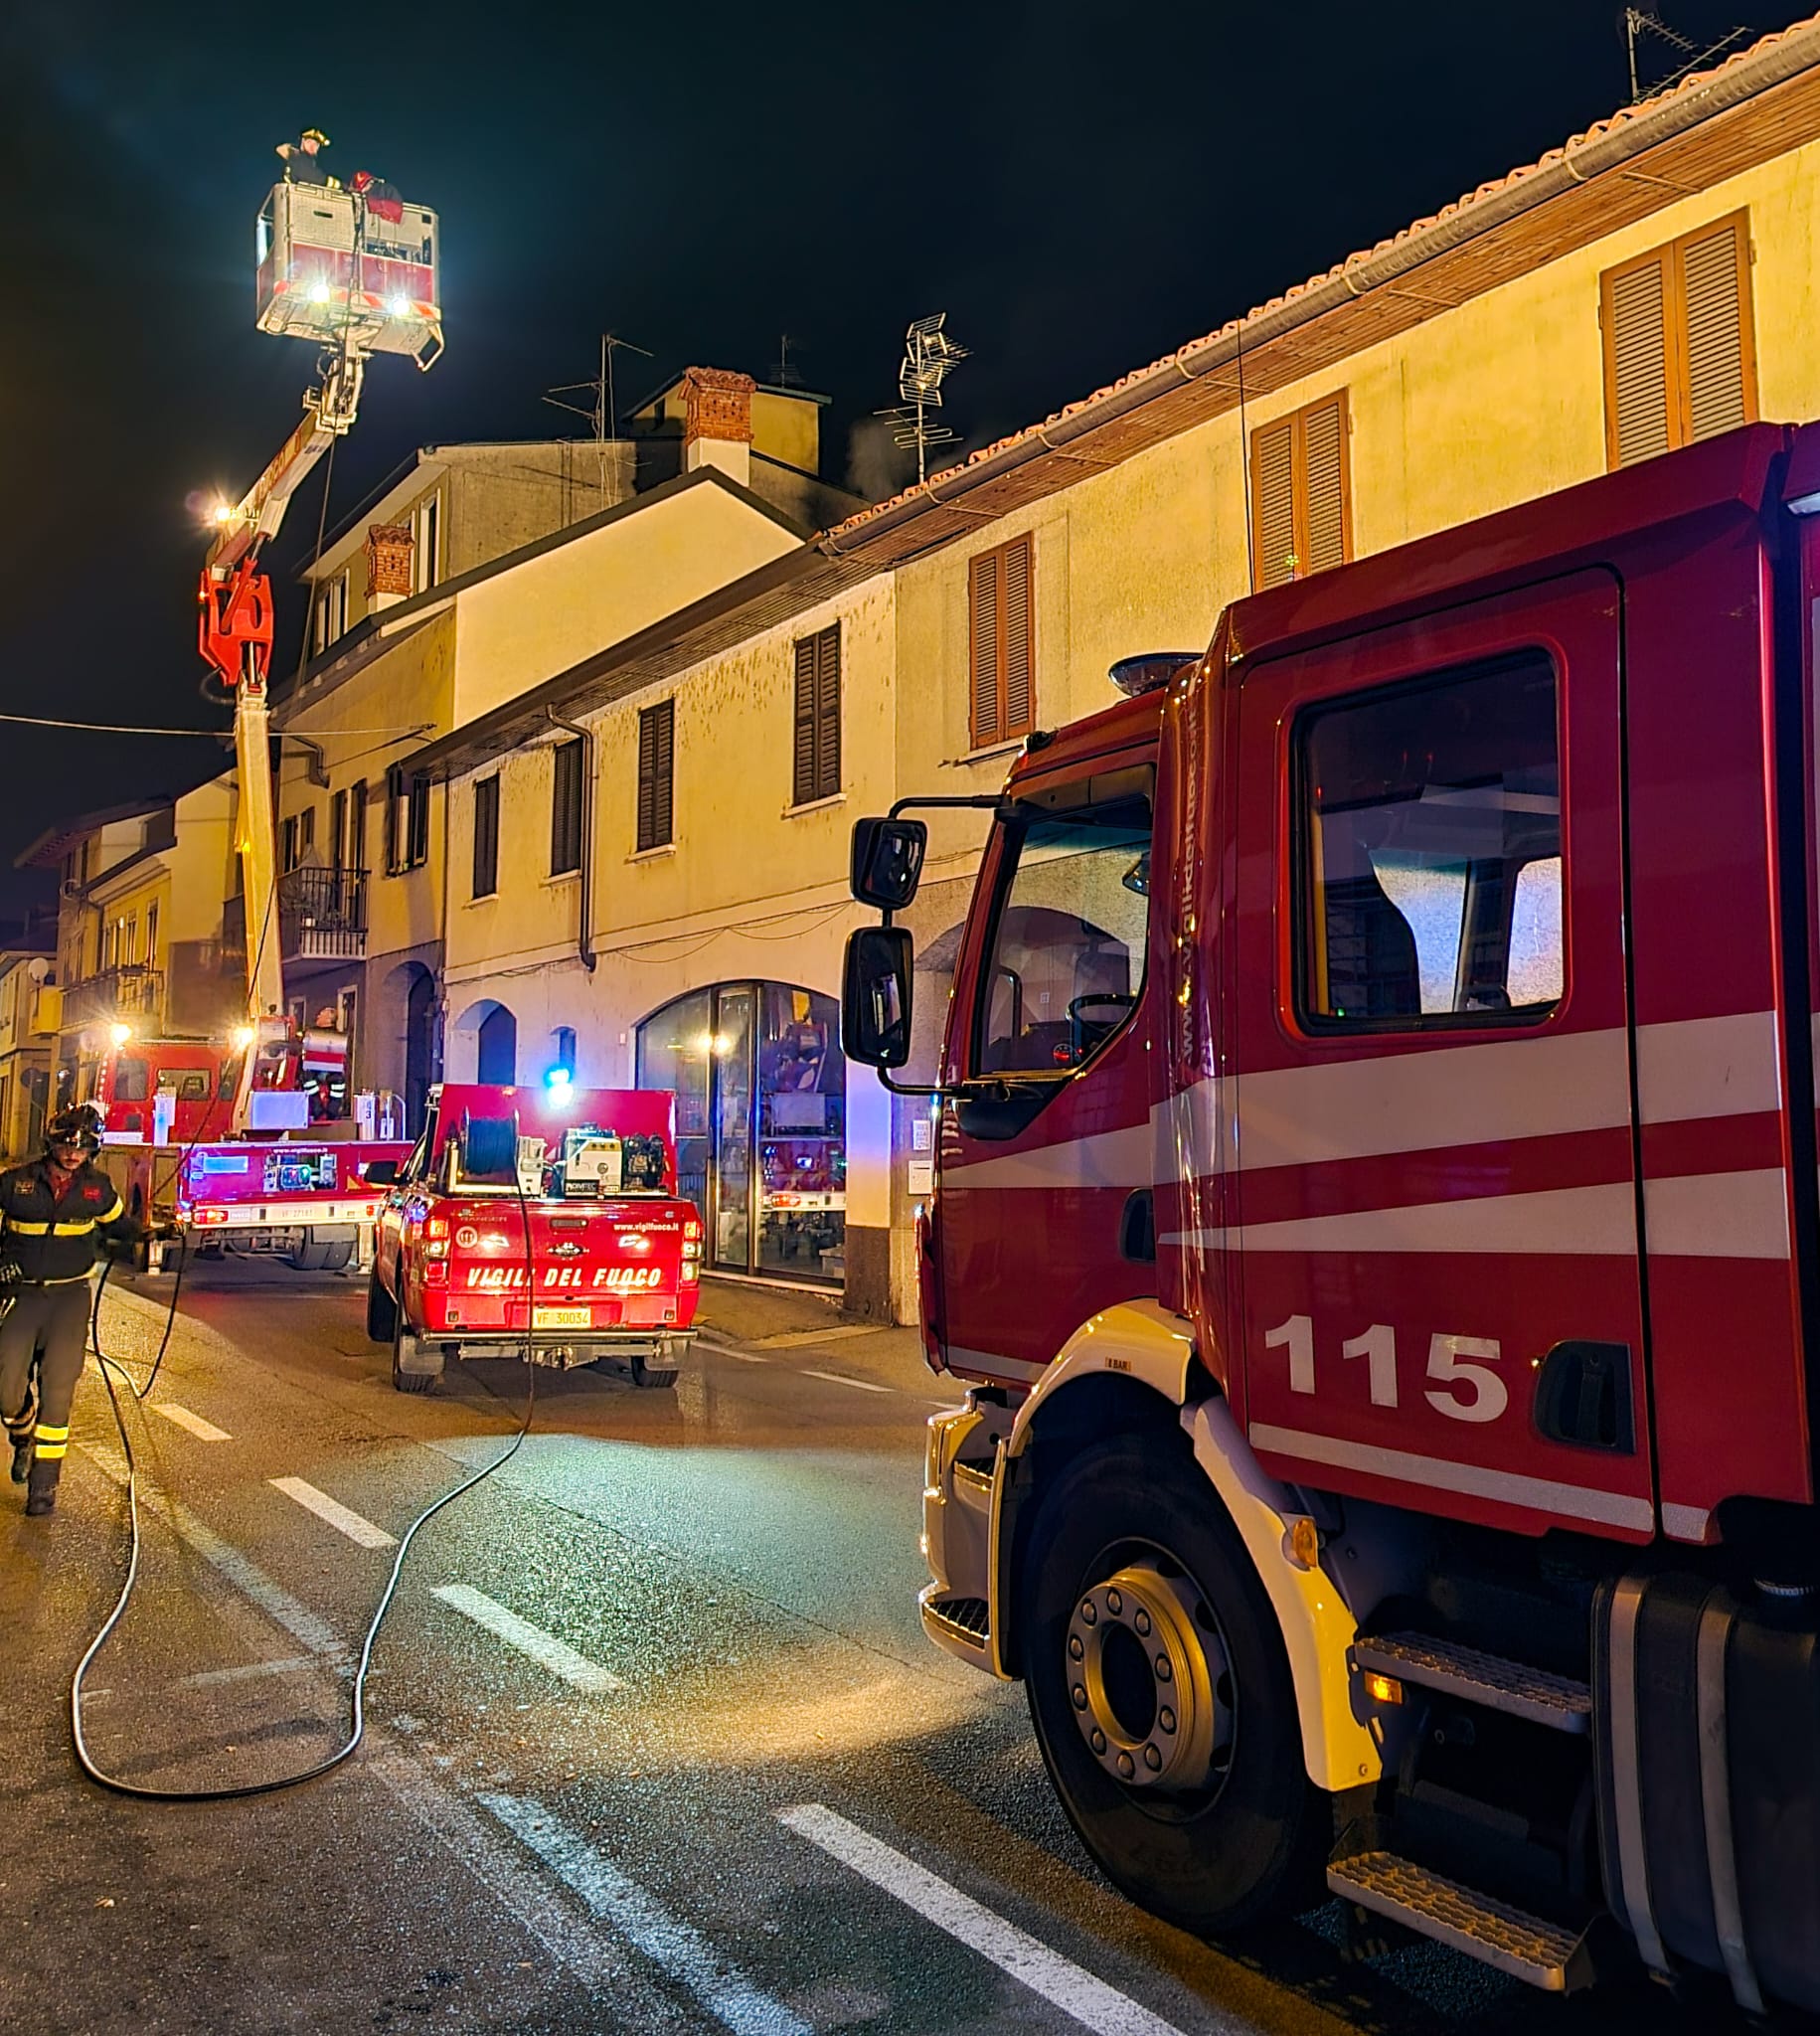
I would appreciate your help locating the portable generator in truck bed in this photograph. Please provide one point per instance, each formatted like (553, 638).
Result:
(544, 1220)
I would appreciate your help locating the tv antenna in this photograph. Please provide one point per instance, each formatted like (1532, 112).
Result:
(787, 377)
(1639, 22)
(603, 413)
(928, 355)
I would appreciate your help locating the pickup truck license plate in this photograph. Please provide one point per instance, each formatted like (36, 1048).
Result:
(563, 1318)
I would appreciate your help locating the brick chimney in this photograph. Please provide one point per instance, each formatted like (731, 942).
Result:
(718, 422)
(390, 547)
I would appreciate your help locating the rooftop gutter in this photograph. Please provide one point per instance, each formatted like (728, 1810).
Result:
(1625, 137)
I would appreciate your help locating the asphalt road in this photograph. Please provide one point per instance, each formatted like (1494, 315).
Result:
(654, 1740)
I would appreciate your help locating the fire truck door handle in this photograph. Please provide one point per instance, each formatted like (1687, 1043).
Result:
(1137, 1227)
(1583, 1396)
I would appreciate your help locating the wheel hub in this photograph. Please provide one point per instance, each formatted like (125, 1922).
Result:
(1149, 1681)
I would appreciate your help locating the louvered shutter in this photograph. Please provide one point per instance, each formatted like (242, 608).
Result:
(987, 725)
(1636, 361)
(656, 758)
(486, 837)
(1324, 485)
(1713, 284)
(803, 723)
(1020, 663)
(828, 713)
(1274, 502)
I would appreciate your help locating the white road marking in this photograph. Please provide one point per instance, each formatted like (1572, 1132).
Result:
(745, 1356)
(248, 1671)
(837, 1379)
(1059, 1981)
(688, 1958)
(342, 1518)
(797, 1338)
(248, 1578)
(544, 1648)
(203, 1430)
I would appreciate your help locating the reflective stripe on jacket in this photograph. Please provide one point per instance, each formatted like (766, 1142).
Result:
(54, 1237)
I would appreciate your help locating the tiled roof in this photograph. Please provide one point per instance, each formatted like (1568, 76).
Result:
(1717, 86)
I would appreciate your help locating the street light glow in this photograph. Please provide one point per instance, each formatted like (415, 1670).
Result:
(119, 1034)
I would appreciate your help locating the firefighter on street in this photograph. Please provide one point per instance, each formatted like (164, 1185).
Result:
(54, 1213)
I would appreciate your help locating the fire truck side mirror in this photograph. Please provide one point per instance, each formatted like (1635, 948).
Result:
(875, 996)
(888, 861)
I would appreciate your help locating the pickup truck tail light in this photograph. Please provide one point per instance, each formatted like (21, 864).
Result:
(206, 1216)
(435, 1272)
(692, 1272)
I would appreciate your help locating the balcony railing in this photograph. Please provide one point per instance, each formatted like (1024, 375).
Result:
(131, 993)
(322, 916)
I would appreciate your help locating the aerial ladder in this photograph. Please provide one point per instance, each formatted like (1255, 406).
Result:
(357, 274)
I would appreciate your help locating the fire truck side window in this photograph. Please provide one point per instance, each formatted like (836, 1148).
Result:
(1068, 947)
(1429, 871)
(131, 1079)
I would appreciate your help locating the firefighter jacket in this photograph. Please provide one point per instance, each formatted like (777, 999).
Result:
(54, 1237)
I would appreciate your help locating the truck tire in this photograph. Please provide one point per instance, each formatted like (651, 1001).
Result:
(1161, 1694)
(382, 1311)
(645, 1373)
(409, 1371)
(335, 1255)
(308, 1257)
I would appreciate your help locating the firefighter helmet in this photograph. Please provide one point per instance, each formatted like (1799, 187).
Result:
(79, 1125)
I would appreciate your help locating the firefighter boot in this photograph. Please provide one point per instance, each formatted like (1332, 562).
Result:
(41, 1493)
(19, 1428)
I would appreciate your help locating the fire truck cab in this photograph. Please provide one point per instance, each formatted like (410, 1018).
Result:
(1376, 1227)
(541, 1219)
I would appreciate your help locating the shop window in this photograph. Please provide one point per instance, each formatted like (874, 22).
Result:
(1679, 354)
(1301, 493)
(1428, 869)
(1001, 643)
(1068, 941)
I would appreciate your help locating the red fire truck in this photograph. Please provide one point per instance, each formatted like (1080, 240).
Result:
(1377, 1228)
(550, 1213)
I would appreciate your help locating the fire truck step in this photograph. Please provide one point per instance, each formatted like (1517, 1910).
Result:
(1556, 1701)
(967, 1619)
(1526, 1947)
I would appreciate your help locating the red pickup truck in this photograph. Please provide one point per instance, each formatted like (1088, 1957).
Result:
(547, 1216)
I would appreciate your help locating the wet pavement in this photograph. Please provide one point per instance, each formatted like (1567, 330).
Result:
(654, 1741)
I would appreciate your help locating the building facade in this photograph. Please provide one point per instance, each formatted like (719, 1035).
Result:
(29, 1017)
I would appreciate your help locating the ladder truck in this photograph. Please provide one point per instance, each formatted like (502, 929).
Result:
(357, 276)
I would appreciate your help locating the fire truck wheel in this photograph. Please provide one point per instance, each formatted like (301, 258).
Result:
(382, 1311)
(645, 1373)
(1161, 1694)
(406, 1358)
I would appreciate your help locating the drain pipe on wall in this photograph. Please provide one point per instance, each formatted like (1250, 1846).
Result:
(585, 939)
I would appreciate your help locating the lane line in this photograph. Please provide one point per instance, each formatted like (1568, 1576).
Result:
(1059, 1981)
(203, 1430)
(544, 1648)
(342, 1518)
(715, 1980)
(248, 1578)
(839, 1379)
(745, 1356)
(246, 1672)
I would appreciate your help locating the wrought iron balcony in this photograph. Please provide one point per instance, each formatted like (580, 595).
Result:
(322, 916)
(131, 994)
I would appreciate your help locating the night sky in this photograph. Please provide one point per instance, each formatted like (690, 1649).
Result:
(1081, 188)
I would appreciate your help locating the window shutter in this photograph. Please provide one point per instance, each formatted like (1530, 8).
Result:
(1713, 265)
(656, 762)
(987, 725)
(828, 713)
(395, 794)
(1636, 361)
(1020, 662)
(565, 808)
(338, 830)
(1324, 461)
(1274, 502)
(419, 820)
(803, 723)
(486, 837)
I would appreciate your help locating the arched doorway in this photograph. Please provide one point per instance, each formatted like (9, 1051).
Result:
(419, 1047)
(498, 1058)
(761, 1089)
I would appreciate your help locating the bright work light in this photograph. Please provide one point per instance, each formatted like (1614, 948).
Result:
(558, 1078)
(319, 293)
(400, 307)
(119, 1034)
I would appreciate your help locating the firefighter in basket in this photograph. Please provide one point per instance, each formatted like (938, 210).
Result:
(54, 1213)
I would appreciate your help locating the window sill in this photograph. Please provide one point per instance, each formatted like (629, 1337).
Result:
(1009, 747)
(485, 898)
(560, 880)
(651, 855)
(834, 798)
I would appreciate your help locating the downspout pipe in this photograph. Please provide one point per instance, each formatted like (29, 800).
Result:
(585, 939)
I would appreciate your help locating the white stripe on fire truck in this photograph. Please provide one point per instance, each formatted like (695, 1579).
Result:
(1693, 1216)
(1427, 1100)
(1542, 1494)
